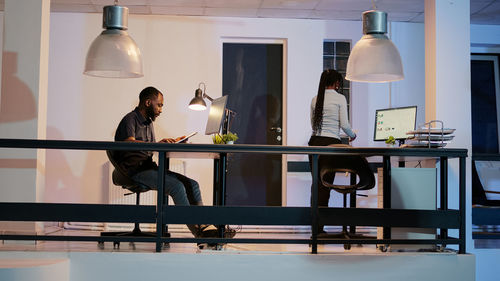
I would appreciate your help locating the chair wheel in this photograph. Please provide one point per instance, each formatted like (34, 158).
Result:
(100, 245)
(116, 245)
(347, 246)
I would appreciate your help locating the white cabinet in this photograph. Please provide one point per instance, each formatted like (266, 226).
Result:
(411, 188)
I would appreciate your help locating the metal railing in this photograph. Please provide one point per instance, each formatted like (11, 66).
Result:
(442, 219)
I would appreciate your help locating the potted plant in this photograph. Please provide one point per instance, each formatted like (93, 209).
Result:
(228, 138)
(390, 141)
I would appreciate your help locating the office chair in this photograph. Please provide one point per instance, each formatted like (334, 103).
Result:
(120, 178)
(355, 165)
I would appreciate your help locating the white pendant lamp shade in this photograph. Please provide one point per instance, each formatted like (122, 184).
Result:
(114, 54)
(374, 58)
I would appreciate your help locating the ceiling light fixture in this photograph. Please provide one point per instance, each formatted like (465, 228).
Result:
(114, 54)
(374, 58)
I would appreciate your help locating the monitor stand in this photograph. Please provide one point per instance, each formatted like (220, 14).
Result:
(400, 142)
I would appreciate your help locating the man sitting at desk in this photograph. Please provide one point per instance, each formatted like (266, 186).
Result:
(137, 126)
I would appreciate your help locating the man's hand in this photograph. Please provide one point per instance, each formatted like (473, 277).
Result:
(168, 140)
(171, 140)
(180, 138)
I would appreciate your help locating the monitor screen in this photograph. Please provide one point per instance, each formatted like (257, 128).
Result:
(394, 122)
(216, 115)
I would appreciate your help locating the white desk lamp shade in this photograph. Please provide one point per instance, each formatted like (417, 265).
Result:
(374, 59)
(114, 54)
(197, 107)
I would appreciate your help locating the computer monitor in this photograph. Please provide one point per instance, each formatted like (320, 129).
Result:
(394, 122)
(216, 115)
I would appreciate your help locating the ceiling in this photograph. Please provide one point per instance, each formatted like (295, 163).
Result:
(482, 11)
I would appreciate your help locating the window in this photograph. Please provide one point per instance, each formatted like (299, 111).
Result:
(335, 55)
(485, 101)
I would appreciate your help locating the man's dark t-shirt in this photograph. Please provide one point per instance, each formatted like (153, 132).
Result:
(135, 125)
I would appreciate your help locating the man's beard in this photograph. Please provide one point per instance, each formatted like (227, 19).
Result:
(150, 113)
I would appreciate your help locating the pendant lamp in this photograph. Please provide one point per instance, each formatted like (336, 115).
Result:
(114, 54)
(374, 58)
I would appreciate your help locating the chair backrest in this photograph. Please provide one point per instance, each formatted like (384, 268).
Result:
(354, 164)
(120, 178)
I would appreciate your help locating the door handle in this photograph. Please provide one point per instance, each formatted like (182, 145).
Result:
(277, 129)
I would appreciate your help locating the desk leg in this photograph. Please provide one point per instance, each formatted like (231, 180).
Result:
(159, 199)
(222, 193)
(314, 205)
(461, 247)
(219, 196)
(387, 191)
(216, 182)
(443, 175)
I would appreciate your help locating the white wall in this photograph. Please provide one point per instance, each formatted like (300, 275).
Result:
(179, 52)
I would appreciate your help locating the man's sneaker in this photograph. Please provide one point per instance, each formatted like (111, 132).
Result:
(209, 231)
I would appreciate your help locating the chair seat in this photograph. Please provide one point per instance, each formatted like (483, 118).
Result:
(356, 165)
(127, 183)
(353, 164)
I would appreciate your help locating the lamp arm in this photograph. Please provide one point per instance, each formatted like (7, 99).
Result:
(207, 97)
(204, 92)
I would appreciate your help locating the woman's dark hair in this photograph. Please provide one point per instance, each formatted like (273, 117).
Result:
(148, 93)
(328, 78)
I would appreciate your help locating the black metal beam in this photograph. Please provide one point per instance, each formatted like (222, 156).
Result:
(390, 217)
(302, 216)
(227, 148)
(76, 212)
(485, 216)
(303, 166)
(237, 215)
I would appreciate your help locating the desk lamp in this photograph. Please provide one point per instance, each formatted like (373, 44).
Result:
(198, 104)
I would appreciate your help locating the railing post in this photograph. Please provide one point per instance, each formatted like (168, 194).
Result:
(461, 247)
(159, 199)
(443, 176)
(314, 204)
(386, 191)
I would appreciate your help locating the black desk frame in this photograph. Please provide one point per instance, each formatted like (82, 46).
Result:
(442, 219)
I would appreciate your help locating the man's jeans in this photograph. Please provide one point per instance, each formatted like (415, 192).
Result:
(183, 190)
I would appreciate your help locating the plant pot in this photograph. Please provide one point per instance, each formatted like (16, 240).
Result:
(230, 142)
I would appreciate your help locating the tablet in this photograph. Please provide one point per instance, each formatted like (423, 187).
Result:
(186, 137)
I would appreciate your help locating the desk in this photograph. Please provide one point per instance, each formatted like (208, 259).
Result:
(442, 219)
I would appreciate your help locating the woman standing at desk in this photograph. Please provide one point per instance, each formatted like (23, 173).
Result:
(328, 115)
